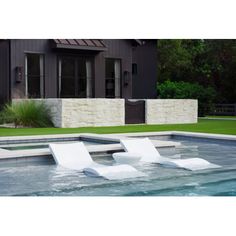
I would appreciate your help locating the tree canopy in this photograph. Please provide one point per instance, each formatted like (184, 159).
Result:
(210, 63)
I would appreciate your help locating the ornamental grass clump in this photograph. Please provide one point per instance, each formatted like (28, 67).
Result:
(28, 114)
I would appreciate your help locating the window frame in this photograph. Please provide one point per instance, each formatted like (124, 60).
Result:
(41, 75)
(120, 83)
(76, 59)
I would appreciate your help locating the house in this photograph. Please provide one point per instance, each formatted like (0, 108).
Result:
(77, 68)
(89, 82)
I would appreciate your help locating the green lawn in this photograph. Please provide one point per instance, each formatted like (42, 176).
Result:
(221, 117)
(205, 126)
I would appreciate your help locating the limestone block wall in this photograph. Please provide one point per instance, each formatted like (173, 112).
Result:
(92, 112)
(70, 113)
(171, 111)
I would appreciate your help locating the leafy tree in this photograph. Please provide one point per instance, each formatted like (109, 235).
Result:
(210, 63)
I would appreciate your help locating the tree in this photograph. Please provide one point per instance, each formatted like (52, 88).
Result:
(206, 62)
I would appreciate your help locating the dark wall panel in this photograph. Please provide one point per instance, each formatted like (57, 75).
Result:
(144, 86)
(145, 82)
(19, 48)
(121, 49)
(99, 80)
(4, 71)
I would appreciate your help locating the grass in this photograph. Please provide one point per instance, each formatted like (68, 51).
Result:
(204, 126)
(221, 117)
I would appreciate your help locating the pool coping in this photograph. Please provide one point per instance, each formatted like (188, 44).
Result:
(183, 133)
(93, 149)
(98, 149)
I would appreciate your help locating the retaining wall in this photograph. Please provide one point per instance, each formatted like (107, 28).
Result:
(70, 113)
(171, 111)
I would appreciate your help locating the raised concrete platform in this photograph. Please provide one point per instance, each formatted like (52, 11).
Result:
(111, 145)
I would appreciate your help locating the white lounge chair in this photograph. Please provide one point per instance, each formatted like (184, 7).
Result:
(75, 156)
(150, 154)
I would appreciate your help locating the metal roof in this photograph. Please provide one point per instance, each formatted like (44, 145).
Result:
(81, 44)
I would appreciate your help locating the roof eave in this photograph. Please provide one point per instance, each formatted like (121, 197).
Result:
(89, 48)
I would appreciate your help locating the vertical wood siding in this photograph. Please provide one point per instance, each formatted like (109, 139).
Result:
(4, 71)
(142, 87)
(19, 48)
(121, 49)
(145, 82)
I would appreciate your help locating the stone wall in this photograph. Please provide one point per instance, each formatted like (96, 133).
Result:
(70, 113)
(92, 112)
(171, 111)
(55, 106)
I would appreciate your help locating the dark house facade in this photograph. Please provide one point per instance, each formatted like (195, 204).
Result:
(76, 68)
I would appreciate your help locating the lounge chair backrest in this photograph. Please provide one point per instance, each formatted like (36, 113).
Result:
(71, 155)
(143, 146)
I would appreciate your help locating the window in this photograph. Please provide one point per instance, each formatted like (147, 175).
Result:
(75, 77)
(67, 78)
(113, 78)
(34, 73)
(134, 69)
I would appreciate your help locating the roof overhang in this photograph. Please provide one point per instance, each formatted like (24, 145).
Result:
(80, 44)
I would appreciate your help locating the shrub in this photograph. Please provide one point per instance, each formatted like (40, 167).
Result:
(1, 119)
(184, 90)
(27, 113)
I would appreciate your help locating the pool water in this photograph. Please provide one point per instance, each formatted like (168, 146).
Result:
(47, 179)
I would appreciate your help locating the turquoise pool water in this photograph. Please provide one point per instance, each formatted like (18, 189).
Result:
(47, 179)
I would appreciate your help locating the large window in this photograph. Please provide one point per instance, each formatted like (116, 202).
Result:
(34, 73)
(113, 78)
(75, 77)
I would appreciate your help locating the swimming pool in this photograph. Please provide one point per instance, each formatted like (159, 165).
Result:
(38, 146)
(37, 143)
(47, 179)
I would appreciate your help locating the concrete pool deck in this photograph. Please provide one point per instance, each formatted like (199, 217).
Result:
(109, 143)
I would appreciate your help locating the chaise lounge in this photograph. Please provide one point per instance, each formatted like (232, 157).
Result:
(149, 153)
(75, 156)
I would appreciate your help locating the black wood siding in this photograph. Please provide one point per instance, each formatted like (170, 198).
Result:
(118, 49)
(144, 86)
(18, 50)
(4, 71)
(99, 71)
(121, 49)
(145, 82)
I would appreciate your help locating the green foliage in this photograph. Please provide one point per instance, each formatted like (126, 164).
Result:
(210, 63)
(2, 120)
(184, 90)
(176, 58)
(27, 113)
